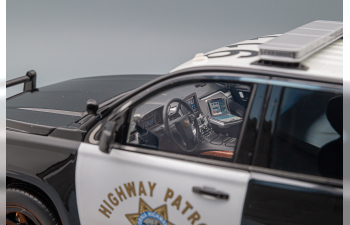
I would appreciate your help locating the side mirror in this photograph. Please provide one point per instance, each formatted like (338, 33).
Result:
(91, 106)
(107, 137)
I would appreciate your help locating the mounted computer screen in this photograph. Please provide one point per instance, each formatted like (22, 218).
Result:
(218, 107)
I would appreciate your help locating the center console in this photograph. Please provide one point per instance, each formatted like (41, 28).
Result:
(219, 127)
(220, 115)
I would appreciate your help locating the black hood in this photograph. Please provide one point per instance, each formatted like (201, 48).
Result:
(62, 103)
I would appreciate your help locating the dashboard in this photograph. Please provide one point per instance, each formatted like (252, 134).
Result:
(152, 119)
(213, 110)
(192, 103)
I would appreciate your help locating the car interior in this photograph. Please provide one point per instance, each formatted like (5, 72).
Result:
(202, 119)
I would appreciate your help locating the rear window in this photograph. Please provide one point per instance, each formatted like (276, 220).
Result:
(308, 137)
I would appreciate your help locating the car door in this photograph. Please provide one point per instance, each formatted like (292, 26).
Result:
(144, 184)
(297, 163)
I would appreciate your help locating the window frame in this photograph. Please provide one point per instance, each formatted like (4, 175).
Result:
(200, 77)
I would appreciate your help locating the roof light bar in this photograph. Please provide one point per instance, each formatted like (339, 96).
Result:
(298, 44)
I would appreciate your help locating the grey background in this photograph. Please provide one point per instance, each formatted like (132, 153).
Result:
(69, 39)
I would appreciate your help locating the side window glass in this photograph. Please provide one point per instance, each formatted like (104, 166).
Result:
(309, 130)
(202, 119)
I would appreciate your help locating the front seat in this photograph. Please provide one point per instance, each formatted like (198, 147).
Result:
(330, 157)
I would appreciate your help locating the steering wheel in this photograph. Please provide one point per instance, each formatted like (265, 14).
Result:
(182, 127)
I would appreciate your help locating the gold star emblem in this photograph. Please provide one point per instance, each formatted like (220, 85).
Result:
(143, 207)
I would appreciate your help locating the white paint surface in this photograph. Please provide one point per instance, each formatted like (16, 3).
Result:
(98, 174)
(326, 63)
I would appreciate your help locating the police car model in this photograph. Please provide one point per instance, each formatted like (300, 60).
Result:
(250, 133)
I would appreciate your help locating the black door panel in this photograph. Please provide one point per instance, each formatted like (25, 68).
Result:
(274, 203)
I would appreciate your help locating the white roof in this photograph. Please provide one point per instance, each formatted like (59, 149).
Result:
(326, 64)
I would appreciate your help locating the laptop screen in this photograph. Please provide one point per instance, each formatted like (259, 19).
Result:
(218, 107)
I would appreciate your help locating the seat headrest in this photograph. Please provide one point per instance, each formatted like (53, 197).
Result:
(335, 113)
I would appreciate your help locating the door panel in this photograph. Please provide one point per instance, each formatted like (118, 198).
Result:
(271, 200)
(155, 184)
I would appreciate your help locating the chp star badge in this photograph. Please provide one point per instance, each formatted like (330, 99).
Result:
(149, 216)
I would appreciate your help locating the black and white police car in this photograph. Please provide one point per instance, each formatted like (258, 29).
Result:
(251, 133)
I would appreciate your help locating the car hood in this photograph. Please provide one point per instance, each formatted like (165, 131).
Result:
(63, 103)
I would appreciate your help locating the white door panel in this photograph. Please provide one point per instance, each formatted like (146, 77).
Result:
(98, 174)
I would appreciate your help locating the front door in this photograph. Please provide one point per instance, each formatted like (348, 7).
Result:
(163, 173)
(125, 187)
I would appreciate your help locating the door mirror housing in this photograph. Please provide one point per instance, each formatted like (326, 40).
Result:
(107, 137)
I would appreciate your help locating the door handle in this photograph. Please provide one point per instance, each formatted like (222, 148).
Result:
(210, 192)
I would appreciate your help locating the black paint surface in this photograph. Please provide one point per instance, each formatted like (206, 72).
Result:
(272, 203)
(70, 95)
(47, 163)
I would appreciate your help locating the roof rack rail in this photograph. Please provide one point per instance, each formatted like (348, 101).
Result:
(29, 81)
